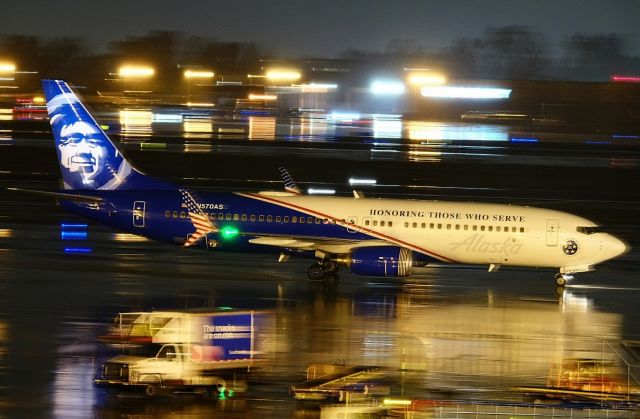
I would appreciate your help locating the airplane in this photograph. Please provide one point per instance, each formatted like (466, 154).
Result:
(369, 236)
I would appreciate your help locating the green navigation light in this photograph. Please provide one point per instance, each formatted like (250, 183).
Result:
(229, 232)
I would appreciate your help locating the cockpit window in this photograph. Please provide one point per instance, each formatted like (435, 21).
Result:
(589, 230)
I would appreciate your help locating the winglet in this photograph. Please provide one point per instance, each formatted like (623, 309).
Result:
(289, 184)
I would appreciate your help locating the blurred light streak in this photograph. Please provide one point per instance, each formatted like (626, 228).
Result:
(198, 74)
(66, 225)
(357, 181)
(133, 71)
(525, 140)
(73, 235)
(262, 128)
(253, 96)
(200, 104)
(6, 114)
(6, 233)
(625, 79)
(136, 121)
(283, 75)
(452, 92)
(197, 148)
(194, 128)
(387, 126)
(422, 79)
(126, 237)
(384, 87)
(6, 67)
(317, 87)
(429, 131)
(339, 116)
(320, 191)
(77, 250)
(166, 118)
(396, 402)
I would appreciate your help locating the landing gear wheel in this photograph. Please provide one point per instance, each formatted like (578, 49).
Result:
(316, 272)
(561, 280)
(330, 266)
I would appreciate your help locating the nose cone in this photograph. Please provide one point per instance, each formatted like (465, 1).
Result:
(613, 247)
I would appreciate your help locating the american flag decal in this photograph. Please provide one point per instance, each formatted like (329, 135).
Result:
(198, 218)
(289, 184)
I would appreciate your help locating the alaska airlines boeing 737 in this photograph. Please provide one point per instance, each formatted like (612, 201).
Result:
(375, 237)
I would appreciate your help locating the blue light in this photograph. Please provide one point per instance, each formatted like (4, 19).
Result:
(597, 142)
(73, 235)
(627, 137)
(77, 250)
(64, 225)
(524, 140)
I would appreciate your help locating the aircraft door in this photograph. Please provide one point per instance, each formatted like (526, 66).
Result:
(351, 223)
(139, 213)
(552, 232)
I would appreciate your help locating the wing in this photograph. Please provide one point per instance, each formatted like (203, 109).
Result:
(315, 243)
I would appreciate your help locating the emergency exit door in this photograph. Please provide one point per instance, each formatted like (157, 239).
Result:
(138, 213)
(552, 232)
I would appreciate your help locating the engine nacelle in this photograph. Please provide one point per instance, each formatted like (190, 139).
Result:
(380, 261)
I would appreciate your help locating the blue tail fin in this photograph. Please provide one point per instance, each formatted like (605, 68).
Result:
(88, 158)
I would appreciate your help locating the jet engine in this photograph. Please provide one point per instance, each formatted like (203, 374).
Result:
(391, 261)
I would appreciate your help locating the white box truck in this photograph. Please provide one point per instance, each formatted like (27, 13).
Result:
(209, 353)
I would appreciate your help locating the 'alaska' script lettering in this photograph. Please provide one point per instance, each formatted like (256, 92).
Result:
(476, 243)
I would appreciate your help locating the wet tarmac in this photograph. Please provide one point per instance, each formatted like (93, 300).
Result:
(456, 333)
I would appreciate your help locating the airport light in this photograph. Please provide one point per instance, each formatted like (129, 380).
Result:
(198, 74)
(357, 181)
(453, 92)
(262, 97)
(280, 75)
(317, 87)
(387, 87)
(133, 71)
(625, 79)
(338, 116)
(6, 67)
(321, 191)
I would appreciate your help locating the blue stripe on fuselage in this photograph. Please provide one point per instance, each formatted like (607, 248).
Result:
(117, 211)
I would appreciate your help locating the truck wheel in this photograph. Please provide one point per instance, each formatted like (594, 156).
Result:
(151, 390)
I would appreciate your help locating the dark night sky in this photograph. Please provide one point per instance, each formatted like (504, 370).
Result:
(314, 28)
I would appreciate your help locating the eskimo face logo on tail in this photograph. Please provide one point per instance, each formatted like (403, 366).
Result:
(88, 160)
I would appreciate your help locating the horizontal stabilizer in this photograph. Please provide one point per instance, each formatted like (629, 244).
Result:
(60, 195)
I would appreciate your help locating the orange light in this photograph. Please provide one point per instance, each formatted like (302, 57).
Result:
(134, 71)
(198, 74)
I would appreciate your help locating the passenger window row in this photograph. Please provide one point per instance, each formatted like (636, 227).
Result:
(441, 226)
(259, 218)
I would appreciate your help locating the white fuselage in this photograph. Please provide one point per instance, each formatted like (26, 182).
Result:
(467, 233)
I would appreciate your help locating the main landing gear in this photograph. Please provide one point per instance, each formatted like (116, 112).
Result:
(562, 279)
(322, 268)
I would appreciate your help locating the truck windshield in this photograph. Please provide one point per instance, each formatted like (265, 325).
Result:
(589, 230)
(147, 351)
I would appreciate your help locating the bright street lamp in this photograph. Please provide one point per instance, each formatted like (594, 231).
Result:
(134, 71)
(198, 74)
(283, 75)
